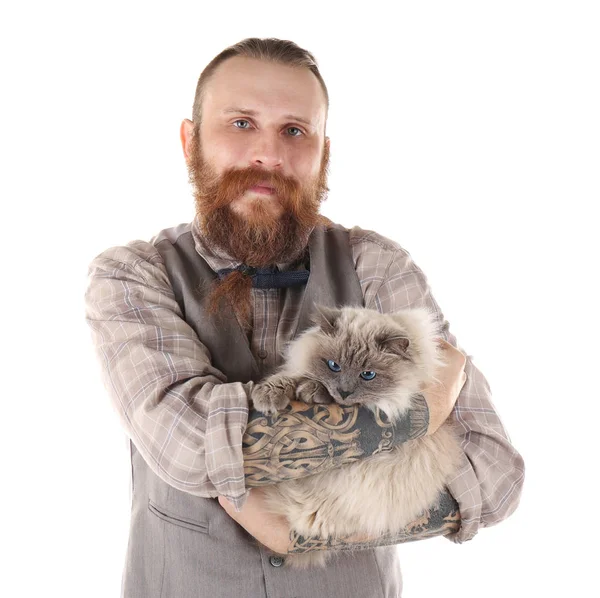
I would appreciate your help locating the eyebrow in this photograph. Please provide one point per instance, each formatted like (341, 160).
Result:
(254, 113)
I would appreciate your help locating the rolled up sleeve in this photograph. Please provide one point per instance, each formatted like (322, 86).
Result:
(489, 482)
(186, 421)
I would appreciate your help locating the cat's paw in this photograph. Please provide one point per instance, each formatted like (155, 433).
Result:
(274, 394)
(311, 391)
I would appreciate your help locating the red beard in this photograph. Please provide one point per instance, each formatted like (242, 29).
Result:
(258, 238)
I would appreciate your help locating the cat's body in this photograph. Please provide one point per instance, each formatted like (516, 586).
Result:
(359, 356)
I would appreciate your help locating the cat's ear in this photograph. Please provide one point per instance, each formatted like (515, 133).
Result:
(396, 344)
(325, 317)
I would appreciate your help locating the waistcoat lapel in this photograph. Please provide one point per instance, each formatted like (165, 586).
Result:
(191, 278)
(332, 282)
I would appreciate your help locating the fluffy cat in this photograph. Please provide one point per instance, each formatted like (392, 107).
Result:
(359, 356)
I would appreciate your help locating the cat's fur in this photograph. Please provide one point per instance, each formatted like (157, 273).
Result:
(385, 491)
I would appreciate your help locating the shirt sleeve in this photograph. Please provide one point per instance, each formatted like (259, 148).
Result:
(178, 410)
(489, 482)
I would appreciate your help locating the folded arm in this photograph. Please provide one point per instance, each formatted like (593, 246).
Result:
(487, 487)
(440, 520)
(304, 439)
(274, 531)
(174, 405)
(489, 481)
(191, 427)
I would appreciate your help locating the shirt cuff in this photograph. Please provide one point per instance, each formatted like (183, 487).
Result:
(464, 488)
(225, 427)
(240, 501)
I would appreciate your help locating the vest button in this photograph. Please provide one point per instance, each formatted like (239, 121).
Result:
(276, 561)
(262, 354)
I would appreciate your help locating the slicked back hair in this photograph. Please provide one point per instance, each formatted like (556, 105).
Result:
(268, 49)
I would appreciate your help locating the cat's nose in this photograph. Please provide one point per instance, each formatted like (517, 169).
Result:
(344, 393)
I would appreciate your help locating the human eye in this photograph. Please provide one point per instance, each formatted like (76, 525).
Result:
(241, 120)
(296, 129)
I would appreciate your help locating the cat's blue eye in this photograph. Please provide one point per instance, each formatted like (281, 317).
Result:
(367, 375)
(333, 366)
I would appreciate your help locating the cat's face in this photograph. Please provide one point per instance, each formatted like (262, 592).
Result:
(358, 355)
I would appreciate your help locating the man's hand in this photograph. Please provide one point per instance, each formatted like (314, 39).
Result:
(274, 532)
(441, 396)
(270, 530)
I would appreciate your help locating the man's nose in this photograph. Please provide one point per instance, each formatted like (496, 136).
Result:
(267, 151)
(344, 393)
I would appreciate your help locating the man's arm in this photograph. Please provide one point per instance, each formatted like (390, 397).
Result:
(185, 420)
(274, 531)
(304, 439)
(440, 520)
(489, 481)
(274, 458)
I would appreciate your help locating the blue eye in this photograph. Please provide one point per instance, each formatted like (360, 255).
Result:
(240, 120)
(333, 366)
(368, 375)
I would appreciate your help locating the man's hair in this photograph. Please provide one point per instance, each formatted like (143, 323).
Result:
(271, 49)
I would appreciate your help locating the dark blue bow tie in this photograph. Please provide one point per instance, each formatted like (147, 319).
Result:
(269, 278)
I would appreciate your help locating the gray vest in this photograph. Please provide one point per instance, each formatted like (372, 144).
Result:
(184, 546)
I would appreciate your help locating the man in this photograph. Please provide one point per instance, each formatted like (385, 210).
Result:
(185, 324)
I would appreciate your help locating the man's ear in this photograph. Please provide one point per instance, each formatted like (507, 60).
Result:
(325, 317)
(186, 133)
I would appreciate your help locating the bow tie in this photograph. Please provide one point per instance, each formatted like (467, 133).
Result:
(269, 278)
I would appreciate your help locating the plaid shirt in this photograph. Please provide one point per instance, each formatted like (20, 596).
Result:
(189, 428)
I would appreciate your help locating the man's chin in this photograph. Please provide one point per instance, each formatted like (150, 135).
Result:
(258, 211)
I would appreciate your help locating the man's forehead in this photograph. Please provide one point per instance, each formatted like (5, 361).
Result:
(254, 87)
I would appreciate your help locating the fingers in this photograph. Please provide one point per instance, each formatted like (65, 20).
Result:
(451, 352)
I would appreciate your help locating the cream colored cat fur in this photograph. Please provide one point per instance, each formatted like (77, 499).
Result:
(388, 490)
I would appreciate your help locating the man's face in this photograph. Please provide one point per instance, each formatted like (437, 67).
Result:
(262, 126)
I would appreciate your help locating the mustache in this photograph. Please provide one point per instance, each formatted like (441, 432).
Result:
(234, 182)
(214, 193)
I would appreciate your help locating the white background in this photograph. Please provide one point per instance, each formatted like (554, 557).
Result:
(466, 131)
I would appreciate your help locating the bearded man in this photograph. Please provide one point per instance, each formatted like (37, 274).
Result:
(185, 324)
